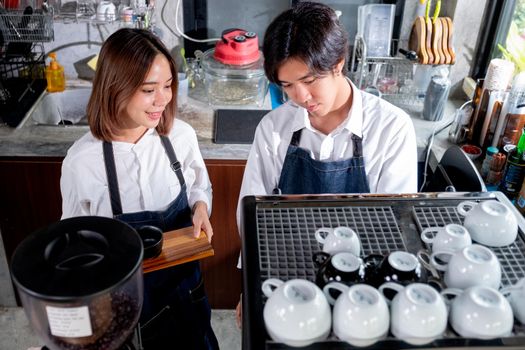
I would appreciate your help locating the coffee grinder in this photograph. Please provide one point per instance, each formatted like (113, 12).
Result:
(80, 283)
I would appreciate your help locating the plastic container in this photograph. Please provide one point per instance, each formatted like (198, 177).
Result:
(485, 167)
(495, 173)
(375, 25)
(56, 80)
(512, 117)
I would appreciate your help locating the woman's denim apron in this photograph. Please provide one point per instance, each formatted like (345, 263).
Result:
(175, 312)
(303, 175)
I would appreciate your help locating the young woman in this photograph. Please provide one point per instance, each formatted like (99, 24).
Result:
(330, 137)
(140, 165)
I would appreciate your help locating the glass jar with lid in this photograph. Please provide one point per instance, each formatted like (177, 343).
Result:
(234, 72)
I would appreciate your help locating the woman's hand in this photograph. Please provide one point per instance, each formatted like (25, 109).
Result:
(201, 221)
(238, 313)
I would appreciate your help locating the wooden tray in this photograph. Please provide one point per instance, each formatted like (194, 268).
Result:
(179, 247)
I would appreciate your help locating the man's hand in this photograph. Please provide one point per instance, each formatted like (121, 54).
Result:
(201, 221)
(238, 313)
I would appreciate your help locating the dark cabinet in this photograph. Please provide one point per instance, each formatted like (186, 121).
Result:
(30, 198)
(222, 278)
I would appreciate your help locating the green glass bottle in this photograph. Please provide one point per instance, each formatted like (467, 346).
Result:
(520, 149)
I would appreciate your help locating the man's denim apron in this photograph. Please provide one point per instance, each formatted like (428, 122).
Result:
(175, 312)
(303, 175)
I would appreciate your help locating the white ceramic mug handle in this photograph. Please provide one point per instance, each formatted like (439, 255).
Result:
(321, 239)
(450, 291)
(520, 284)
(270, 285)
(438, 265)
(508, 290)
(461, 207)
(425, 237)
(390, 285)
(424, 258)
(334, 285)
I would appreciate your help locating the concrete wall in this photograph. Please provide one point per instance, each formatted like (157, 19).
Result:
(466, 15)
(85, 38)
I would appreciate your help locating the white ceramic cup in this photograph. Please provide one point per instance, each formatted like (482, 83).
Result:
(516, 296)
(360, 315)
(418, 314)
(106, 11)
(339, 239)
(296, 312)
(471, 266)
(490, 222)
(451, 237)
(479, 312)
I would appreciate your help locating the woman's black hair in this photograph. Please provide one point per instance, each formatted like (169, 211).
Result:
(310, 32)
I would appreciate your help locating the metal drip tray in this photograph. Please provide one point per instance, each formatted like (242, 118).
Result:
(278, 242)
(287, 241)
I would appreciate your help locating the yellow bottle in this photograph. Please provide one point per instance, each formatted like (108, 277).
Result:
(56, 80)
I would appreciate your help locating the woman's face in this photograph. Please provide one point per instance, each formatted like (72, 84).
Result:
(317, 94)
(145, 107)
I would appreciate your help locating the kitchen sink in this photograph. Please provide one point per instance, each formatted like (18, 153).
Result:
(61, 108)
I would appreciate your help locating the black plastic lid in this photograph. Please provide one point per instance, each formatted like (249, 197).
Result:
(76, 257)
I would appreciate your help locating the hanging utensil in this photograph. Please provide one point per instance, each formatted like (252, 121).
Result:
(436, 11)
(411, 55)
(428, 36)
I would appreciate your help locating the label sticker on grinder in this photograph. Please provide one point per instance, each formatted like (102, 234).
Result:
(71, 322)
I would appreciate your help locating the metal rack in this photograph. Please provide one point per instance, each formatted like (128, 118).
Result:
(391, 77)
(376, 226)
(22, 61)
(18, 27)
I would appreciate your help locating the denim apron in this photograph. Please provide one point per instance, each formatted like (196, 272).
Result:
(303, 175)
(175, 312)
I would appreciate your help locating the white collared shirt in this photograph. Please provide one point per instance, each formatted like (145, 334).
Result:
(146, 180)
(389, 145)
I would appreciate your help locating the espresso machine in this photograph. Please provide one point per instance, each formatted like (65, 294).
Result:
(80, 283)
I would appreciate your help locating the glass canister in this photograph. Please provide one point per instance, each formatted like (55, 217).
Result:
(228, 84)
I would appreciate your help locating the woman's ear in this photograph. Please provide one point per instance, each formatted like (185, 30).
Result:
(339, 67)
